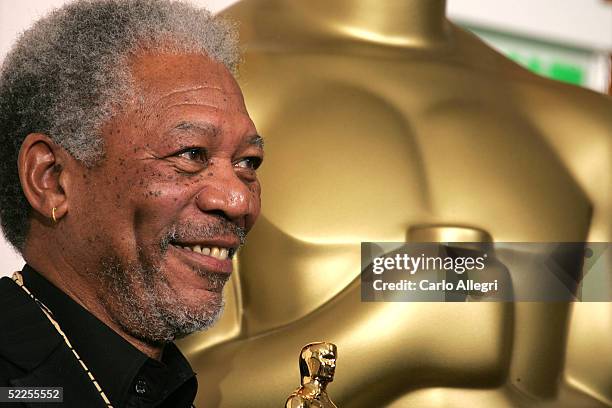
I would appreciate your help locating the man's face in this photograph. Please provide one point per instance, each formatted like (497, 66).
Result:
(158, 221)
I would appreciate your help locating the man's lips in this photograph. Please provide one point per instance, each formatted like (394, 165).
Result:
(219, 248)
(212, 259)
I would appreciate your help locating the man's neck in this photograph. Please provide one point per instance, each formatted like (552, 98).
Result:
(74, 284)
(398, 22)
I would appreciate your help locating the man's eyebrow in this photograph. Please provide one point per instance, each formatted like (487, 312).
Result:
(210, 129)
(257, 140)
(207, 128)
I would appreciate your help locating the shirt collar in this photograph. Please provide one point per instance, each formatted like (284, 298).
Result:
(118, 366)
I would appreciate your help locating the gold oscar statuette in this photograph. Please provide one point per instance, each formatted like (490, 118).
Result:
(317, 367)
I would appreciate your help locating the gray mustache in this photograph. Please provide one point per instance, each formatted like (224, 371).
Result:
(197, 231)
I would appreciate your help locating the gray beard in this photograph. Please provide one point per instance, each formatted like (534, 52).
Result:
(142, 303)
(140, 299)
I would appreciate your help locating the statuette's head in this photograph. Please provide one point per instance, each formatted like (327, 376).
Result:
(318, 361)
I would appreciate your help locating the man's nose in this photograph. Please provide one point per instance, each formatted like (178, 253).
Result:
(225, 192)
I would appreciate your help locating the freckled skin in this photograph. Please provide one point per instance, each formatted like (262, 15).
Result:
(144, 186)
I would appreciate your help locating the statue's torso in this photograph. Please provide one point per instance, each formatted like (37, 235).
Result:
(364, 144)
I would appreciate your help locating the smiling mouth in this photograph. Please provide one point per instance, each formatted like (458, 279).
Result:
(220, 253)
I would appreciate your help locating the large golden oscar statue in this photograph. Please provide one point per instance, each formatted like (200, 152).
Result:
(385, 122)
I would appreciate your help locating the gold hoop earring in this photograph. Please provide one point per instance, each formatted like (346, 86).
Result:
(53, 214)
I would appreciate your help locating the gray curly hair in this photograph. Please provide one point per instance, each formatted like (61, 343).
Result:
(68, 74)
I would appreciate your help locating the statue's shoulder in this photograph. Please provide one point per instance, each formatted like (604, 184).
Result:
(296, 401)
(576, 122)
(565, 108)
(547, 103)
(299, 401)
(304, 397)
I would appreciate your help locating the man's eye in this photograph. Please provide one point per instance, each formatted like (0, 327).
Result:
(194, 153)
(251, 163)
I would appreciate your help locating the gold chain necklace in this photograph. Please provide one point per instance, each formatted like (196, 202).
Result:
(19, 280)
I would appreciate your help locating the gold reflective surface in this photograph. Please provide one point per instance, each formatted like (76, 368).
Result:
(317, 368)
(384, 122)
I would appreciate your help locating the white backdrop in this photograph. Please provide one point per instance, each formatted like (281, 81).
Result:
(583, 23)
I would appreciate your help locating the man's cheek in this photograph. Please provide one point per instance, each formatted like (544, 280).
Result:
(255, 209)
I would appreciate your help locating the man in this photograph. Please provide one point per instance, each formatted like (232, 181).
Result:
(128, 181)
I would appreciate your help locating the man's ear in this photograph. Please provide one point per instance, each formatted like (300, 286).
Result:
(41, 165)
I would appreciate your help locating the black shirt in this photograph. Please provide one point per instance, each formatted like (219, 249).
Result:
(127, 376)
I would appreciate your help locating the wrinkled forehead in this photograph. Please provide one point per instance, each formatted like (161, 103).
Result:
(164, 78)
